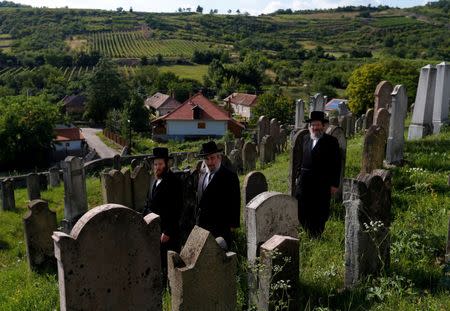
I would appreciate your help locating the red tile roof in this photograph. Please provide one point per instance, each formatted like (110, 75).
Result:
(160, 99)
(242, 99)
(67, 134)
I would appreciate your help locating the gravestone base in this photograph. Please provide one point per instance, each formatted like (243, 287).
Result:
(437, 126)
(417, 131)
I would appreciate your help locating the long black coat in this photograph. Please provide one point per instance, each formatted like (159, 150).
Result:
(167, 202)
(219, 203)
(320, 169)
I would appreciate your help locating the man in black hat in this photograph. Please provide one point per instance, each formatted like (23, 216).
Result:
(165, 198)
(318, 175)
(218, 195)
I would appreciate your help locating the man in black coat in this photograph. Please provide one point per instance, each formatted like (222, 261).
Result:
(165, 198)
(218, 195)
(318, 175)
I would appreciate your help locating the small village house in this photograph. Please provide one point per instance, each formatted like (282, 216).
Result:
(161, 104)
(242, 104)
(68, 141)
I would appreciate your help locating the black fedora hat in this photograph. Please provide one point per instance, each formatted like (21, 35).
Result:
(317, 116)
(209, 148)
(160, 153)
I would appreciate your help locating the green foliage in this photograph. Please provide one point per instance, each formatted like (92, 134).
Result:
(273, 104)
(26, 128)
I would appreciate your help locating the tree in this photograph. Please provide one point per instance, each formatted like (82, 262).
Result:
(135, 111)
(26, 131)
(106, 90)
(199, 9)
(274, 104)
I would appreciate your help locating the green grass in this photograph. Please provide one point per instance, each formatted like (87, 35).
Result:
(195, 72)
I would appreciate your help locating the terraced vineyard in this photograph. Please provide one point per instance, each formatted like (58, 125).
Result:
(134, 44)
(5, 42)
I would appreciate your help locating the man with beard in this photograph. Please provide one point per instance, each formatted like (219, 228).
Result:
(165, 198)
(318, 175)
(218, 194)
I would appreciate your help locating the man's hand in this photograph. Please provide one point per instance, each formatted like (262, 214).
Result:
(334, 190)
(165, 238)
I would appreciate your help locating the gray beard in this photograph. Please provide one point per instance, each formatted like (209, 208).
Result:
(314, 136)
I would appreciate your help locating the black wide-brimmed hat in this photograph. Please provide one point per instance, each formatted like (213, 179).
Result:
(160, 153)
(317, 116)
(209, 148)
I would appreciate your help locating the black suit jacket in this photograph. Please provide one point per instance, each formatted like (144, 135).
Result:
(167, 202)
(219, 204)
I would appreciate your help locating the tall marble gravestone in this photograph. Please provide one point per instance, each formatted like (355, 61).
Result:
(7, 195)
(299, 114)
(367, 202)
(441, 96)
(39, 224)
(295, 158)
(383, 98)
(396, 139)
(421, 123)
(203, 275)
(339, 134)
(110, 261)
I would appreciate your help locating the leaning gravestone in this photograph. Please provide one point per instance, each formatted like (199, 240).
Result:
(7, 195)
(421, 122)
(54, 179)
(263, 128)
(254, 184)
(75, 195)
(249, 155)
(203, 275)
(396, 139)
(236, 160)
(299, 114)
(295, 158)
(140, 185)
(268, 214)
(367, 201)
(279, 251)
(383, 99)
(33, 187)
(110, 261)
(374, 149)
(39, 224)
(338, 133)
(441, 96)
(267, 150)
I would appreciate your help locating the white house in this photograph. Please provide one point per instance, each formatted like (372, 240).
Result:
(242, 104)
(161, 104)
(68, 142)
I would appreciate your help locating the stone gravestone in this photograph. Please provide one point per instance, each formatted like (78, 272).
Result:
(282, 140)
(269, 213)
(295, 158)
(447, 251)
(203, 275)
(75, 195)
(319, 102)
(39, 224)
(359, 124)
(134, 163)
(117, 162)
(249, 155)
(7, 195)
(340, 136)
(275, 133)
(54, 179)
(383, 119)
(368, 119)
(396, 139)
(229, 146)
(383, 99)
(43, 181)
(441, 96)
(254, 184)
(236, 161)
(33, 187)
(110, 261)
(374, 149)
(279, 251)
(116, 187)
(263, 128)
(239, 143)
(299, 114)
(140, 185)
(421, 122)
(267, 150)
(367, 202)
(189, 182)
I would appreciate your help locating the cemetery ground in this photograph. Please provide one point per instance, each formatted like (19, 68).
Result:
(418, 278)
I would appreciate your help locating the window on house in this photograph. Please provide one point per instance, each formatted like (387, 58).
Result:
(201, 125)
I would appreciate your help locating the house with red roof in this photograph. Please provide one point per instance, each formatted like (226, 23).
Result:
(161, 104)
(242, 103)
(197, 117)
(68, 141)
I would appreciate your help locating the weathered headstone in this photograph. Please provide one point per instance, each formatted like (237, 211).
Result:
(75, 195)
(33, 187)
(374, 149)
(441, 96)
(350, 128)
(39, 224)
(54, 179)
(203, 276)
(239, 143)
(383, 99)
(249, 155)
(43, 181)
(189, 182)
(319, 102)
(421, 122)
(334, 121)
(140, 185)
(383, 119)
(359, 124)
(134, 163)
(295, 158)
(254, 184)
(117, 162)
(275, 133)
(116, 187)
(367, 201)
(396, 139)
(236, 160)
(7, 195)
(267, 150)
(338, 133)
(282, 140)
(110, 261)
(279, 251)
(229, 146)
(299, 114)
(263, 128)
(368, 119)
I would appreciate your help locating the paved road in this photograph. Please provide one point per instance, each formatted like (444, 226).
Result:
(95, 142)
